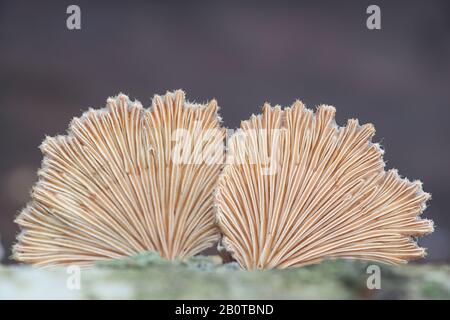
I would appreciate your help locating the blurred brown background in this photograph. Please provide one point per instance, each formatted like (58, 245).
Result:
(242, 54)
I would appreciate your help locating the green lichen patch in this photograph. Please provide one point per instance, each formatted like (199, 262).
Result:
(148, 276)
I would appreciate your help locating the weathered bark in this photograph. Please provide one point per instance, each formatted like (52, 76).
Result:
(148, 277)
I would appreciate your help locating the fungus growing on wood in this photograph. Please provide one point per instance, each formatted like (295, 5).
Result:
(297, 189)
(112, 186)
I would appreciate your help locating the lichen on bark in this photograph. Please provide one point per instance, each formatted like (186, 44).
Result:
(147, 276)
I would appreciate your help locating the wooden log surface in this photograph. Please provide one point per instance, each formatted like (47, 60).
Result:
(147, 276)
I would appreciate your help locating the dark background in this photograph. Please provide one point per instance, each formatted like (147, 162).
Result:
(242, 54)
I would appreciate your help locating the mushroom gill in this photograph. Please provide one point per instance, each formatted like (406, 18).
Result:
(116, 185)
(297, 188)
